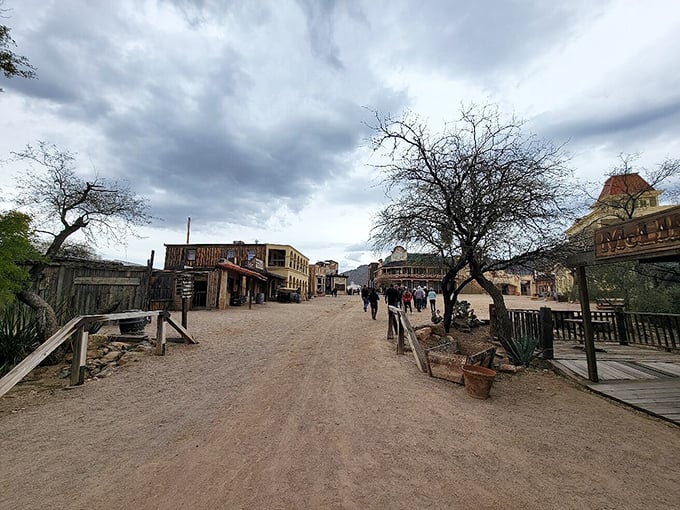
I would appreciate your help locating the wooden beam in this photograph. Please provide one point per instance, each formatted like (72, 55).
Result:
(20, 371)
(178, 327)
(589, 341)
(160, 335)
(79, 356)
(33, 360)
(405, 329)
(418, 351)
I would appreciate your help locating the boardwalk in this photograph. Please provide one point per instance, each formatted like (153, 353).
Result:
(646, 379)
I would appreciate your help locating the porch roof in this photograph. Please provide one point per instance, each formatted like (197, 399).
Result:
(230, 266)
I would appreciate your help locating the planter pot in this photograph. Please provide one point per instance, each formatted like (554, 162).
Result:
(478, 380)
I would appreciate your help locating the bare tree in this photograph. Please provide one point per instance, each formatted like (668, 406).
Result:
(480, 194)
(631, 191)
(61, 204)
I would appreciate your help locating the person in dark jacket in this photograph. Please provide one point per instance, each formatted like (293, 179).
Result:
(364, 296)
(373, 299)
(392, 297)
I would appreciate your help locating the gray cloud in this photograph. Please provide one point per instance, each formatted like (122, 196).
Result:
(227, 111)
(627, 127)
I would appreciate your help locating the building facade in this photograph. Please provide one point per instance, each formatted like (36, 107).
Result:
(410, 270)
(224, 275)
(324, 278)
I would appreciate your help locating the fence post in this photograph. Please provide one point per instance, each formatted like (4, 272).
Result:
(160, 335)
(390, 330)
(620, 320)
(79, 356)
(546, 331)
(400, 337)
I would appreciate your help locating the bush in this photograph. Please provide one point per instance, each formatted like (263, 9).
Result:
(18, 335)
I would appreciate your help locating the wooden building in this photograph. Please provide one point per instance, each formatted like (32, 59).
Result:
(94, 286)
(226, 275)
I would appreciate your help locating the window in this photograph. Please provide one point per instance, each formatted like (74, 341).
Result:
(277, 258)
(191, 254)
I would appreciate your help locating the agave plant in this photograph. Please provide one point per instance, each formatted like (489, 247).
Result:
(18, 335)
(521, 350)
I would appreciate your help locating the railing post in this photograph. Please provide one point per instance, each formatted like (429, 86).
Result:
(546, 331)
(79, 356)
(620, 320)
(400, 336)
(391, 330)
(160, 334)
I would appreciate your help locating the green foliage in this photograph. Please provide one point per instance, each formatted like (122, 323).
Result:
(18, 335)
(653, 288)
(15, 247)
(12, 64)
(520, 350)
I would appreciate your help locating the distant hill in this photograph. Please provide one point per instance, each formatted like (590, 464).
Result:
(358, 275)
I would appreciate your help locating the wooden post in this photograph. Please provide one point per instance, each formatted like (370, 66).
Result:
(160, 335)
(390, 330)
(546, 332)
(587, 323)
(79, 356)
(250, 293)
(400, 336)
(185, 306)
(621, 331)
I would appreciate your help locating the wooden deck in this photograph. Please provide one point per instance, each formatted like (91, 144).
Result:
(646, 379)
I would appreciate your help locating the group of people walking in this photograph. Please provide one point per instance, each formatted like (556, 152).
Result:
(401, 297)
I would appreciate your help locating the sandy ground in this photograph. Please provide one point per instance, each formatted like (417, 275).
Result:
(308, 406)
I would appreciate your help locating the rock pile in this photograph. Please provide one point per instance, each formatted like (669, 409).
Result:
(105, 355)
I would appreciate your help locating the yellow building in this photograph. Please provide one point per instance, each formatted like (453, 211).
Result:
(623, 197)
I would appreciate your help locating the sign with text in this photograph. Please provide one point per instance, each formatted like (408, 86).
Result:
(651, 234)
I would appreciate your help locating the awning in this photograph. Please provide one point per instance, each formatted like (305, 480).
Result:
(230, 266)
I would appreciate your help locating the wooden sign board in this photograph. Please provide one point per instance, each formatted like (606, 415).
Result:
(651, 234)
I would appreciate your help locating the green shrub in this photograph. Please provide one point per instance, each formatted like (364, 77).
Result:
(18, 335)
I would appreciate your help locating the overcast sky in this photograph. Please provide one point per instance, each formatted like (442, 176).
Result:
(249, 116)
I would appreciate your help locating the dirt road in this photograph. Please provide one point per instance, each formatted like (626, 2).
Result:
(308, 406)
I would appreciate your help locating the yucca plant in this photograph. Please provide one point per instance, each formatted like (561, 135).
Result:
(18, 335)
(521, 350)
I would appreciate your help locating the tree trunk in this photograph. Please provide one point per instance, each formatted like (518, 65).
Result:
(503, 326)
(450, 297)
(47, 319)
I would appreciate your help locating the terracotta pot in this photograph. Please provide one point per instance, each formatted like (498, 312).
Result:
(478, 380)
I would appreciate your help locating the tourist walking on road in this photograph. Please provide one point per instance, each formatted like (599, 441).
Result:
(432, 297)
(406, 299)
(364, 296)
(419, 298)
(392, 297)
(373, 299)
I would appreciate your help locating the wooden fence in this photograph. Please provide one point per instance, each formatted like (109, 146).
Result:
(78, 327)
(648, 329)
(92, 286)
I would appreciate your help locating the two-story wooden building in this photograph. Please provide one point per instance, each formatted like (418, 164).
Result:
(225, 275)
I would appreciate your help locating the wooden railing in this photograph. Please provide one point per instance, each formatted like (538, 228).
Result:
(655, 329)
(648, 329)
(79, 327)
(398, 323)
